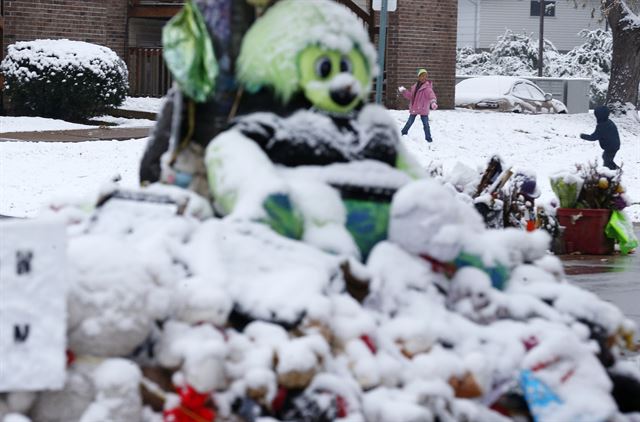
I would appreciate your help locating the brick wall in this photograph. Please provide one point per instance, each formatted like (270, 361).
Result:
(96, 21)
(421, 33)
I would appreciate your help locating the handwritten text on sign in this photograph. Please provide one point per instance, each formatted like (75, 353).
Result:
(32, 305)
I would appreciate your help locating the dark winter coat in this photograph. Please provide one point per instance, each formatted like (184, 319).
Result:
(606, 131)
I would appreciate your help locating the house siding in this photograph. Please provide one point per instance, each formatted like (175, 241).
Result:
(468, 28)
(562, 29)
(96, 21)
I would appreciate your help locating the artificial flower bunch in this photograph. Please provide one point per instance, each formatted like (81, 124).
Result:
(601, 188)
(590, 186)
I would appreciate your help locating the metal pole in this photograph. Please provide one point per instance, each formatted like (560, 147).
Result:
(541, 46)
(381, 49)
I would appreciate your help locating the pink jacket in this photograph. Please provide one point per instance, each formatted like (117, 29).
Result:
(421, 104)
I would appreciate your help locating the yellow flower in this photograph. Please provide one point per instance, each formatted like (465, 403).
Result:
(603, 183)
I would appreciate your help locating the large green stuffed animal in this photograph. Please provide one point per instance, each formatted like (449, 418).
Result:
(324, 167)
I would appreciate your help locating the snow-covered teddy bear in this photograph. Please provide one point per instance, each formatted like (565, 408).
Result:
(272, 371)
(111, 312)
(324, 169)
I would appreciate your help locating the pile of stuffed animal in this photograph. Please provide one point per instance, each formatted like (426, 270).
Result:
(311, 272)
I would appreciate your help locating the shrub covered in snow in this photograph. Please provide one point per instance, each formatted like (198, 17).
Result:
(589, 60)
(63, 79)
(517, 55)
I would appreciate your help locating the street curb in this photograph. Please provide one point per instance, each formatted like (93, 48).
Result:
(78, 135)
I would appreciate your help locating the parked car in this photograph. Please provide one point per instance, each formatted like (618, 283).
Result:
(505, 93)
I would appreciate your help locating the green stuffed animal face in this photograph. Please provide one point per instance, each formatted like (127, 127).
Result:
(331, 80)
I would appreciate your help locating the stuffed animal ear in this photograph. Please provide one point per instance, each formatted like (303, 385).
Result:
(188, 53)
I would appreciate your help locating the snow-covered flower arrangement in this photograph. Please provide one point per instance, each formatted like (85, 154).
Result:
(63, 79)
(590, 186)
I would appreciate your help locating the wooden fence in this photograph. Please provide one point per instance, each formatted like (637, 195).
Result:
(148, 74)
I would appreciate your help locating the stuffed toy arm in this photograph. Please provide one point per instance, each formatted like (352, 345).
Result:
(325, 216)
(245, 185)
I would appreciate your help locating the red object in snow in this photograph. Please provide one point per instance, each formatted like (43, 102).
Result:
(71, 357)
(369, 342)
(278, 400)
(531, 225)
(446, 268)
(341, 407)
(192, 407)
(542, 365)
(530, 342)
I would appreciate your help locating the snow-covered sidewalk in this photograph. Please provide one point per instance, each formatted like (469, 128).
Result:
(10, 124)
(31, 172)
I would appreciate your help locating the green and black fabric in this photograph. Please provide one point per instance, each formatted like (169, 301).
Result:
(368, 211)
(309, 138)
(282, 217)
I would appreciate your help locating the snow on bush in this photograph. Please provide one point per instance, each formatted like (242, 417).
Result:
(589, 60)
(517, 55)
(63, 79)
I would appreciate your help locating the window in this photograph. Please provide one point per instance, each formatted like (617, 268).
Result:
(549, 8)
(520, 90)
(534, 92)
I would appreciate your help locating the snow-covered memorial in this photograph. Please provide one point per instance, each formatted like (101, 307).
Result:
(300, 267)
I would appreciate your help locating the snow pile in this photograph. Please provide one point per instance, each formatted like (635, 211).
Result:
(149, 104)
(241, 321)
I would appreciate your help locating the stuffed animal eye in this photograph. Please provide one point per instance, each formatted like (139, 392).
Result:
(345, 65)
(323, 67)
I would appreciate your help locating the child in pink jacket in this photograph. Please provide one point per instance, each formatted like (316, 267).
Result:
(422, 99)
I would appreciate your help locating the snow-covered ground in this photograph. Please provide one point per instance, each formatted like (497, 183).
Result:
(40, 124)
(33, 172)
(541, 143)
(36, 124)
(30, 173)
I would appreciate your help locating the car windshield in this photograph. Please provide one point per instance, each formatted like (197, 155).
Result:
(528, 91)
(535, 92)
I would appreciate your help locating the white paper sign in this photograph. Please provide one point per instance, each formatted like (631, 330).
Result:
(33, 311)
(392, 5)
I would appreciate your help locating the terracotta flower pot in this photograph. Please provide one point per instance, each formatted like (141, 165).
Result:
(584, 230)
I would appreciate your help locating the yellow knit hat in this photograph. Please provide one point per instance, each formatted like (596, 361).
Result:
(421, 71)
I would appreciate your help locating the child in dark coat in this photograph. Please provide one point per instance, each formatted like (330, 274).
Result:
(607, 134)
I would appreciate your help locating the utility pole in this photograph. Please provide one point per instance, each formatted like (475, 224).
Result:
(541, 46)
(381, 48)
